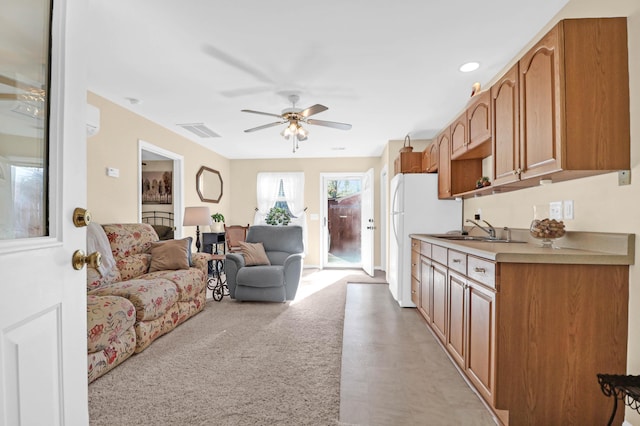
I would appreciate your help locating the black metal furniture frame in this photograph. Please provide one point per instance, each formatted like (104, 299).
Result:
(620, 387)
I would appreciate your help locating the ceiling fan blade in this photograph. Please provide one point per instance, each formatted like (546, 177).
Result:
(265, 126)
(237, 63)
(333, 124)
(261, 113)
(314, 109)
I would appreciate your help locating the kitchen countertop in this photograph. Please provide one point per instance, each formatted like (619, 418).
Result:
(597, 248)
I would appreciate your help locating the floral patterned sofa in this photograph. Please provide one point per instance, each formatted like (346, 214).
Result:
(128, 306)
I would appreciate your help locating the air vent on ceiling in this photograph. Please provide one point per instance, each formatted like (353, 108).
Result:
(200, 130)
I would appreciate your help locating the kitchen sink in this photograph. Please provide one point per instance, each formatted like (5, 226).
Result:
(459, 237)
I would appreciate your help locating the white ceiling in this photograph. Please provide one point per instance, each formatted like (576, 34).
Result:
(387, 67)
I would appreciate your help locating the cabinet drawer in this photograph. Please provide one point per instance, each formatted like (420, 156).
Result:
(482, 271)
(425, 249)
(439, 254)
(457, 261)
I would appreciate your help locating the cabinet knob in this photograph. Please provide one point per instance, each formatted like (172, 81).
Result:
(457, 260)
(480, 270)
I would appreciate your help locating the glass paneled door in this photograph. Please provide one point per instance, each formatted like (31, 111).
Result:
(43, 346)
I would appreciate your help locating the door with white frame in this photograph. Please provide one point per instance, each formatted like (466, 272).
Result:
(342, 221)
(148, 154)
(367, 223)
(43, 336)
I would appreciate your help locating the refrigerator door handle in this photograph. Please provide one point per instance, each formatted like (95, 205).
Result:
(395, 214)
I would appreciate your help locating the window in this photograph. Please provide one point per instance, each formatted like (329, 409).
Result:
(281, 190)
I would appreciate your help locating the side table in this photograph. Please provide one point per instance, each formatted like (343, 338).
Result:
(215, 283)
(621, 387)
(212, 241)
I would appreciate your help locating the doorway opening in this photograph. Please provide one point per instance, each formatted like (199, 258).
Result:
(343, 219)
(161, 201)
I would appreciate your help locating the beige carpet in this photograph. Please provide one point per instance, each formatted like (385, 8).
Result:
(238, 364)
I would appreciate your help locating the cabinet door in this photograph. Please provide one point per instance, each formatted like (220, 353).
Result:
(439, 316)
(415, 271)
(479, 120)
(505, 128)
(426, 289)
(456, 318)
(425, 160)
(433, 158)
(541, 111)
(459, 136)
(481, 339)
(444, 165)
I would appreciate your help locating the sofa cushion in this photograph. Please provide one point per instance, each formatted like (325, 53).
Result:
(94, 280)
(189, 282)
(253, 253)
(133, 266)
(151, 298)
(108, 318)
(127, 239)
(261, 276)
(170, 255)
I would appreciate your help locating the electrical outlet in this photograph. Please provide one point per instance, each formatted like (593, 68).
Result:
(624, 177)
(113, 172)
(478, 214)
(568, 209)
(555, 210)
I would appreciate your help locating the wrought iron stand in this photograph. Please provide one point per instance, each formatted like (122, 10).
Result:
(620, 387)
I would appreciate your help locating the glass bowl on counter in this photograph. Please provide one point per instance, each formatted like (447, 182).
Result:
(544, 228)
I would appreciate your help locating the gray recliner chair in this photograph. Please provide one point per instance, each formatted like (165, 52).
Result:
(277, 282)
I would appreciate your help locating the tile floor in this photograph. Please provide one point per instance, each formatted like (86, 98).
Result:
(394, 372)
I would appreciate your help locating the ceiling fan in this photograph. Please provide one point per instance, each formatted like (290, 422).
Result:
(295, 117)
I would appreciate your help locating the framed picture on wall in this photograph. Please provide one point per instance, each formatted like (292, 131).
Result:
(157, 187)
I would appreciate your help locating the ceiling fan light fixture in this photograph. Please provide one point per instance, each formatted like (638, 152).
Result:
(302, 133)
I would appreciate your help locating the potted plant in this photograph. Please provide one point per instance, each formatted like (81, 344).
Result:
(278, 216)
(218, 222)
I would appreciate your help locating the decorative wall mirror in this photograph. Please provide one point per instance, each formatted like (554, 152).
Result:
(209, 185)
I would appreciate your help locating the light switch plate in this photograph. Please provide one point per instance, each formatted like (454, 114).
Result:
(113, 172)
(568, 209)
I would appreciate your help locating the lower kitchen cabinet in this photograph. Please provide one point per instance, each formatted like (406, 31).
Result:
(530, 337)
(481, 339)
(426, 289)
(456, 318)
(439, 319)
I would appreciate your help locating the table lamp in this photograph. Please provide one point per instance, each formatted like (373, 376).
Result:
(196, 216)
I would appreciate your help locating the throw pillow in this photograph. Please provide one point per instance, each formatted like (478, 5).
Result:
(254, 254)
(170, 255)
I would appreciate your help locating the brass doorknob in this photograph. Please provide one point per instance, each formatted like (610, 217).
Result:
(79, 260)
(81, 217)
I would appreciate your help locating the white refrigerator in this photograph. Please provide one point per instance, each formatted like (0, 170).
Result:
(415, 209)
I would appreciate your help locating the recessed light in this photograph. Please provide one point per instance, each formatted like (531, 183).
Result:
(469, 66)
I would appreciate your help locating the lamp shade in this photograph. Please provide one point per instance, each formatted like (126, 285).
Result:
(196, 216)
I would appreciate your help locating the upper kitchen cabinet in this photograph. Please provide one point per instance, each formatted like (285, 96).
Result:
(430, 157)
(459, 136)
(444, 164)
(471, 131)
(505, 128)
(574, 102)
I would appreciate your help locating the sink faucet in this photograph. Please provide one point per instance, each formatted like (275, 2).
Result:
(489, 230)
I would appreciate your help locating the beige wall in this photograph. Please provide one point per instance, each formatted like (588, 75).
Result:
(599, 203)
(114, 200)
(243, 191)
